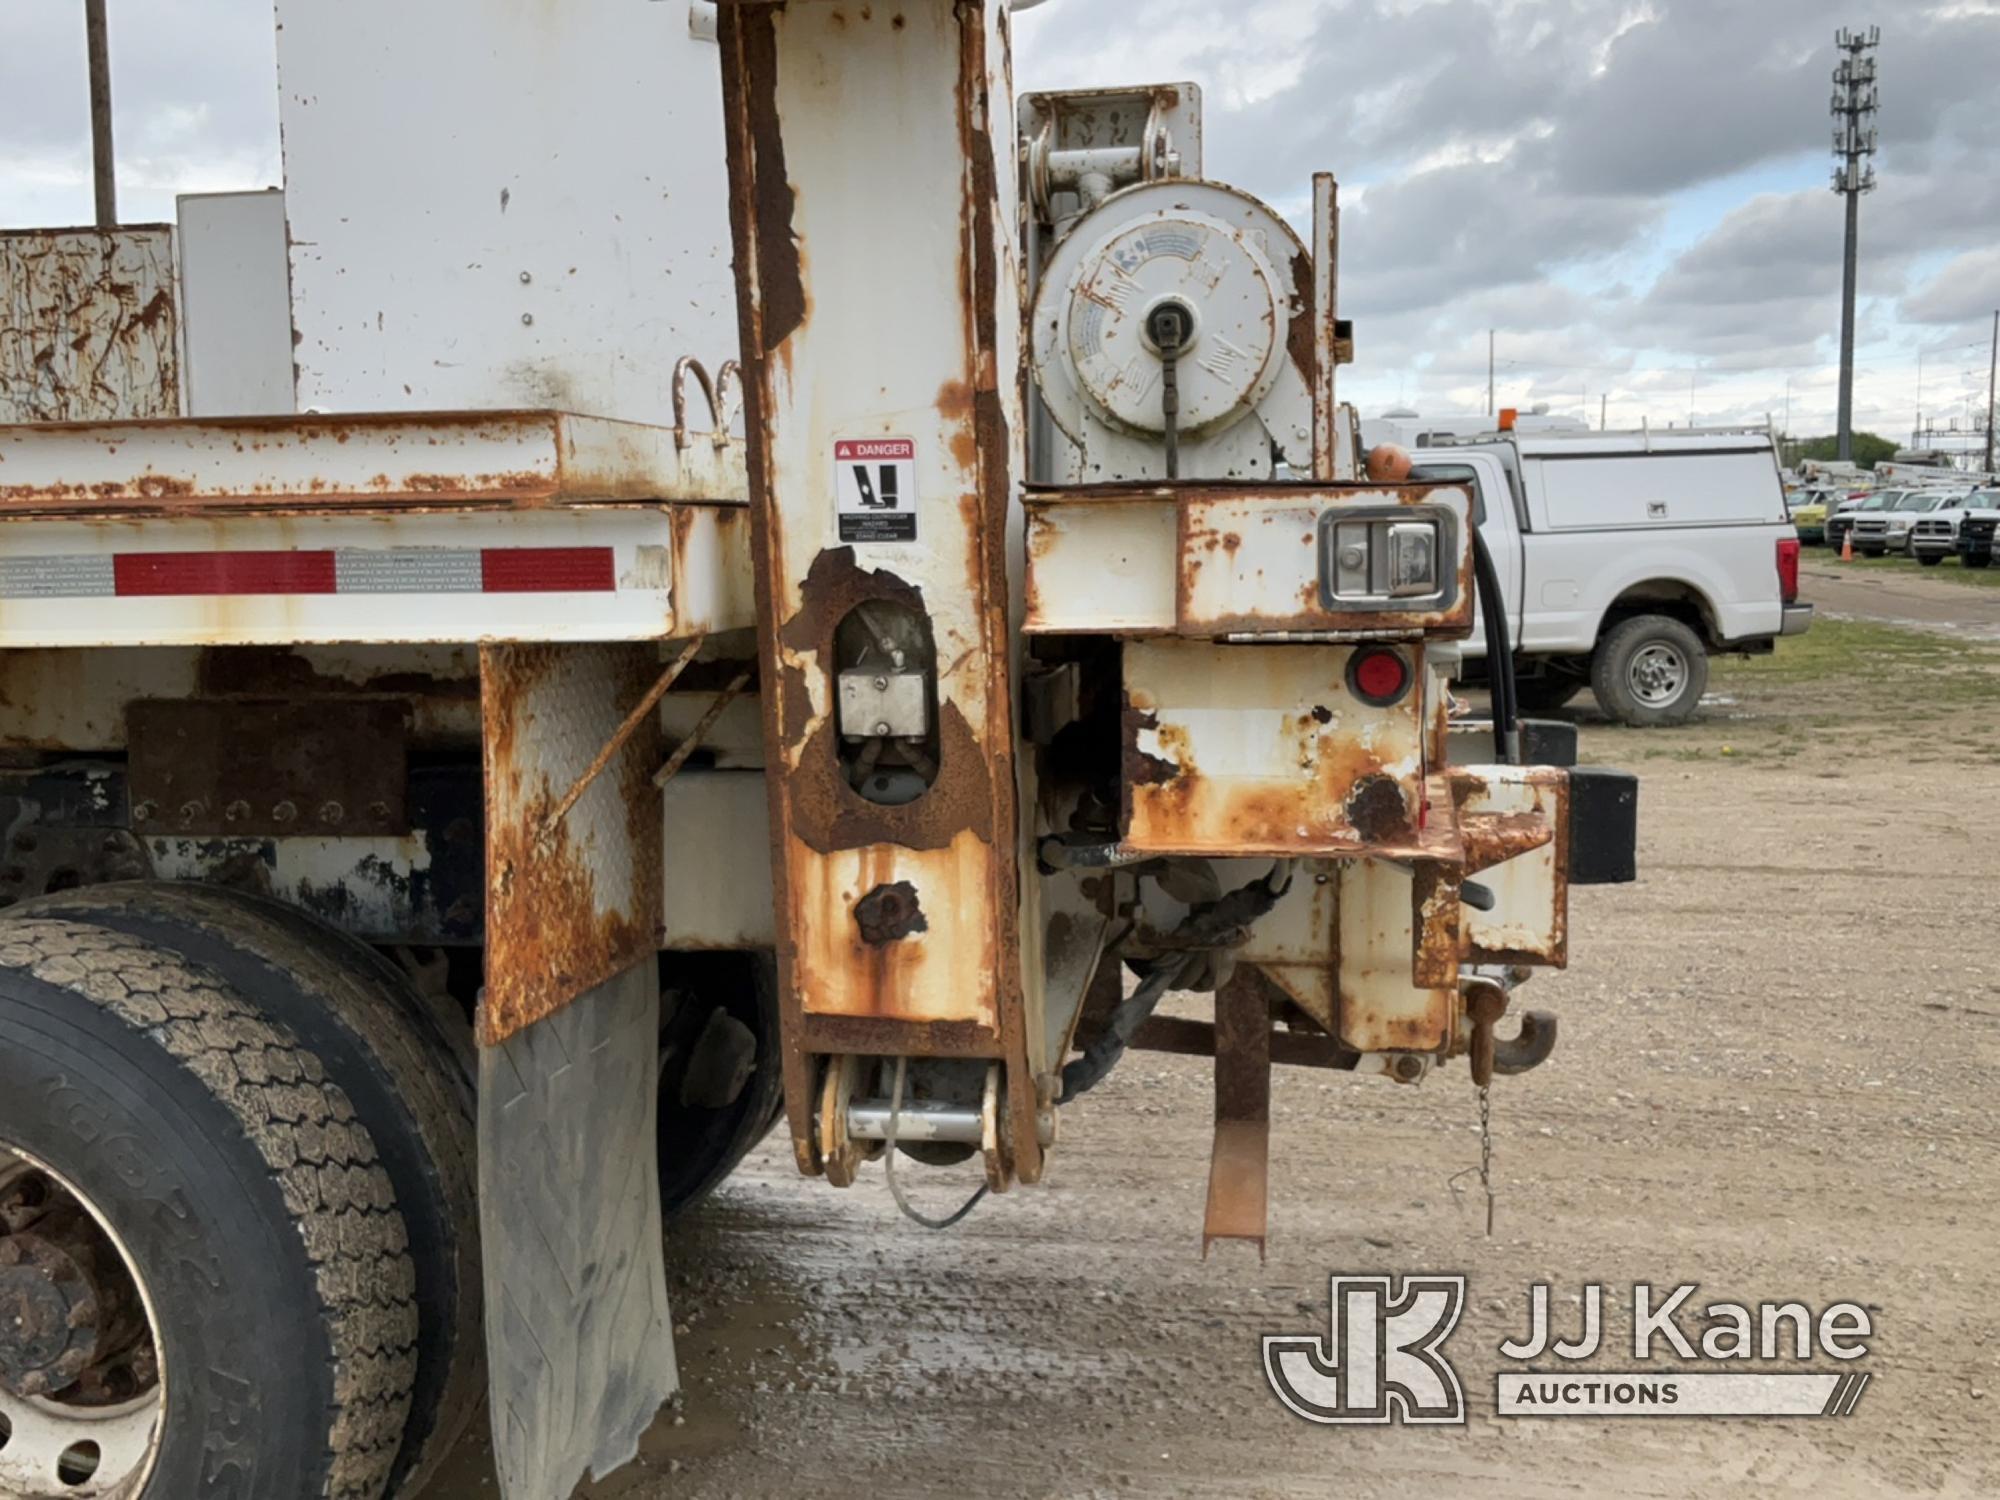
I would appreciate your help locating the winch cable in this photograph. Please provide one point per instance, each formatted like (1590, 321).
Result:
(1499, 655)
(889, 1163)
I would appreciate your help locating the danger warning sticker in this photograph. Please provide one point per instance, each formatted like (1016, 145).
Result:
(875, 489)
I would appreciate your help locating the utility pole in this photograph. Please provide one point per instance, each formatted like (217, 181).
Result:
(104, 169)
(1489, 372)
(1992, 367)
(1854, 104)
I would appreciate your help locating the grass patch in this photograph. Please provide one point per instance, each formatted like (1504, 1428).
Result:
(1867, 653)
(1951, 570)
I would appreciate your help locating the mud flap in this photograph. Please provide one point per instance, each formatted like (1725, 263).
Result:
(579, 1340)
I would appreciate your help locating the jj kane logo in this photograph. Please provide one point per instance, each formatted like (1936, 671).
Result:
(1385, 1360)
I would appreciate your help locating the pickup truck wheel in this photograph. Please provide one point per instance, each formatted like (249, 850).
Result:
(721, 1080)
(1930, 559)
(206, 1278)
(384, 1047)
(1977, 559)
(1649, 671)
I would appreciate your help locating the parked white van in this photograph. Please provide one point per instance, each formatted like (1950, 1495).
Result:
(1627, 559)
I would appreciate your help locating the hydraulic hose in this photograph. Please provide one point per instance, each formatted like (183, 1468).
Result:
(1499, 655)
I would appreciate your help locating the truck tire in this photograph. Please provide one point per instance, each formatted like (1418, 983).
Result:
(383, 1045)
(1649, 671)
(1930, 559)
(181, 1173)
(1549, 691)
(721, 1081)
(1977, 559)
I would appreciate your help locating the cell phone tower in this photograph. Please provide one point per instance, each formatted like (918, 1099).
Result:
(1855, 100)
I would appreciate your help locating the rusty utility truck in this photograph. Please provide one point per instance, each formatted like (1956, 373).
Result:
(695, 570)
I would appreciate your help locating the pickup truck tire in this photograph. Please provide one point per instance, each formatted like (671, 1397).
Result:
(1649, 671)
(385, 1047)
(721, 1078)
(1976, 559)
(1930, 559)
(216, 1185)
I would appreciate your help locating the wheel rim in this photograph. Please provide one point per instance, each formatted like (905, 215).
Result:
(1659, 674)
(82, 1379)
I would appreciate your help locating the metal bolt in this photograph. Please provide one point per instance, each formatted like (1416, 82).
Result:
(526, 278)
(284, 812)
(332, 812)
(192, 810)
(1409, 1069)
(144, 811)
(882, 727)
(378, 809)
(236, 811)
(881, 684)
(1352, 557)
(527, 320)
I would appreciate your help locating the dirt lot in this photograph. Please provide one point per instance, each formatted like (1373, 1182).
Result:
(1777, 1077)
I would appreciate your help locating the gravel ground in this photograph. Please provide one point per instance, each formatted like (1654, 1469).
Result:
(1777, 1077)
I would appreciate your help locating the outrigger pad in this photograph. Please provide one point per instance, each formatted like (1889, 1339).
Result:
(579, 1340)
(1603, 826)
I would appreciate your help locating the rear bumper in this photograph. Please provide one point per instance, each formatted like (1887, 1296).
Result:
(1798, 619)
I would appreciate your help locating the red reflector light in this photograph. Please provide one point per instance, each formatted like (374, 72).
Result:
(1788, 569)
(1378, 676)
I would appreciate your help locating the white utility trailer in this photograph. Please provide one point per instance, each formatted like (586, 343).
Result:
(787, 584)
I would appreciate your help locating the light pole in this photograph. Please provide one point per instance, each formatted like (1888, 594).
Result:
(1854, 104)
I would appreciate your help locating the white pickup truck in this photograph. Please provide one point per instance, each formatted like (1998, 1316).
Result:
(1628, 559)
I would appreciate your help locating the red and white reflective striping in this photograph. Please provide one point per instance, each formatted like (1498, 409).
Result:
(342, 570)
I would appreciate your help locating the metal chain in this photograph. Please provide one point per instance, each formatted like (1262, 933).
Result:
(1486, 1152)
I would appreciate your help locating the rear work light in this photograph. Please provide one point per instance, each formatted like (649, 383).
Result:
(1378, 676)
(1788, 569)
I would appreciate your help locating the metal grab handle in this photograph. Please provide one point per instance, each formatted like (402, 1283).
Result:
(687, 365)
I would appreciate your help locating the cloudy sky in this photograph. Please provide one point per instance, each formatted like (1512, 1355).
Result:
(1632, 193)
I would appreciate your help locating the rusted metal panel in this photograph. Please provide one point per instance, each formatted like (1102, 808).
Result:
(572, 903)
(245, 768)
(1207, 560)
(1250, 563)
(1101, 566)
(1240, 1163)
(854, 331)
(1383, 1006)
(1515, 821)
(374, 461)
(89, 325)
(1264, 750)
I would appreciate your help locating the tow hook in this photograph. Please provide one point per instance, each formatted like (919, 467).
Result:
(1528, 1050)
(1489, 1053)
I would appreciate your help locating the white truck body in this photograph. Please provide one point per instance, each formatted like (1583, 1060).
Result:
(1591, 520)
(1590, 529)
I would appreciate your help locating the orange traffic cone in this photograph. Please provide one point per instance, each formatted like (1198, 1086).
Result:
(1847, 545)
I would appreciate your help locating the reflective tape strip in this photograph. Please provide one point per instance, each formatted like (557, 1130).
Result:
(347, 570)
(57, 577)
(407, 570)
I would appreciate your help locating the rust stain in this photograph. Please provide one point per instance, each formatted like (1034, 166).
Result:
(552, 931)
(890, 913)
(88, 325)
